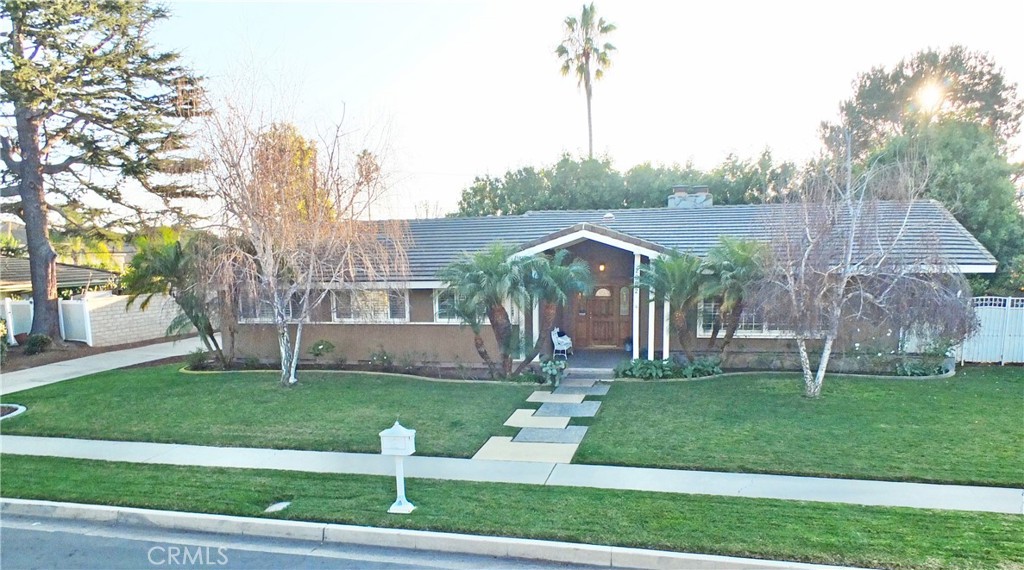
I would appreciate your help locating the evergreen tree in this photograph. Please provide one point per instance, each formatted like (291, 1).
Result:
(94, 105)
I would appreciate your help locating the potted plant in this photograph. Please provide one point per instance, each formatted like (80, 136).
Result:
(554, 371)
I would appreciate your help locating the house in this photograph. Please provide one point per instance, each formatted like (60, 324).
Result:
(15, 279)
(415, 316)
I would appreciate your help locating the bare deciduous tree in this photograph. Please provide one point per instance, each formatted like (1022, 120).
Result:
(845, 251)
(301, 213)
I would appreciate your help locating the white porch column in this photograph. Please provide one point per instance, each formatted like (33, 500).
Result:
(650, 324)
(665, 328)
(535, 313)
(636, 307)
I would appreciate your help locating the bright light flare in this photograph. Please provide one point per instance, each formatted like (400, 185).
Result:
(930, 96)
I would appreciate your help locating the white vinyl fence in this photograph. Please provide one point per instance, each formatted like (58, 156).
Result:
(98, 320)
(1000, 338)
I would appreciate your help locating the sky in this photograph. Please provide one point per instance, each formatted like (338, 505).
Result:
(447, 91)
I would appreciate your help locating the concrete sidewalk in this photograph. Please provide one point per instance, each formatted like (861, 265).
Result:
(850, 491)
(11, 382)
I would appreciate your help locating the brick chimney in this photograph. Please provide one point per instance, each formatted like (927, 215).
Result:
(690, 197)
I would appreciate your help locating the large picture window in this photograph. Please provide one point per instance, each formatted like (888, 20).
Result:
(371, 306)
(752, 323)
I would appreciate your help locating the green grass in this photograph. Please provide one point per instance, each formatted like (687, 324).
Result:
(965, 429)
(325, 411)
(814, 532)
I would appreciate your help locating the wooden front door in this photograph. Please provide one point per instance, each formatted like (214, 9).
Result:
(600, 321)
(604, 321)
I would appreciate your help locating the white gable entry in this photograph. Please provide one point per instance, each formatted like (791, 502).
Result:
(640, 249)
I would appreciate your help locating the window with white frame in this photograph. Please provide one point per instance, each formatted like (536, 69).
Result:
(257, 308)
(445, 308)
(752, 323)
(371, 305)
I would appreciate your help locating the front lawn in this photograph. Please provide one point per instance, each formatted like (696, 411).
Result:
(965, 429)
(874, 537)
(325, 411)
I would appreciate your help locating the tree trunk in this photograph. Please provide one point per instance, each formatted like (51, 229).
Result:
(811, 390)
(716, 327)
(682, 331)
(590, 122)
(730, 331)
(41, 257)
(547, 322)
(481, 349)
(285, 348)
(228, 326)
(503, 335)
(819, 378)
(295, 353)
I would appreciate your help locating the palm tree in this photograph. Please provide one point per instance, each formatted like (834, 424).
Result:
(734, 265)
(166, 264)
(678, 277)
(486, 280)
(470, 315)
(553, 281)
(583, 53)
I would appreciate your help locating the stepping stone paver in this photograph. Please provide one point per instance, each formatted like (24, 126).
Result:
(581, 410)
(571, 434)
(525, 419)
(595, 390)
(577, 382)
(556, 398)
(504, 449)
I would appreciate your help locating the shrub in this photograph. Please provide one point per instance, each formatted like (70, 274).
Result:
(645, 369)
(198, 359)
(659, 369)
(3, 342)
(320, 348)
(38, 343)
(382, 359)
(700, 367)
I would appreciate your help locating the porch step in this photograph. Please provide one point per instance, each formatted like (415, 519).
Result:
(591, 373)
(577, 382)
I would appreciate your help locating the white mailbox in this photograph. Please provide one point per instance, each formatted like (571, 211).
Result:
(398, 440)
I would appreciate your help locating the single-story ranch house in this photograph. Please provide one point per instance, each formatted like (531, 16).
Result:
(415, 317)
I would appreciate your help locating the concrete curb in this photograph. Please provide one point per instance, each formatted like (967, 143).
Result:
(550, 551)
(18, 410)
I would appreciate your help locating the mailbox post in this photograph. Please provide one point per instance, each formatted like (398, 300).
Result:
(399, 441)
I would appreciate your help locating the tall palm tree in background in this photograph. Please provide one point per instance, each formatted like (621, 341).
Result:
(168, 264)
(553, 281)
(678, 277)
(485, 281)
(583, 53)
(732, 267)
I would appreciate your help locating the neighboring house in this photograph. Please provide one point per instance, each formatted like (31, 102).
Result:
(15, 279)
(415, 316)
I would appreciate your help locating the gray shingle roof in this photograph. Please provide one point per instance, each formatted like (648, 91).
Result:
(14, 275)
(437, 242)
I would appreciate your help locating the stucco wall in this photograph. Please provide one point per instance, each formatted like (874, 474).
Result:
(354, 342)
(112, 324)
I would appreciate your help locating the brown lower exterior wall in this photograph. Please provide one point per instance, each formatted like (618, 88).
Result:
(418, 342)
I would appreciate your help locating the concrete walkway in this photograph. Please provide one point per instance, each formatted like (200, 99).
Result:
(11, 382)
(858, 492)
(545, 435)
